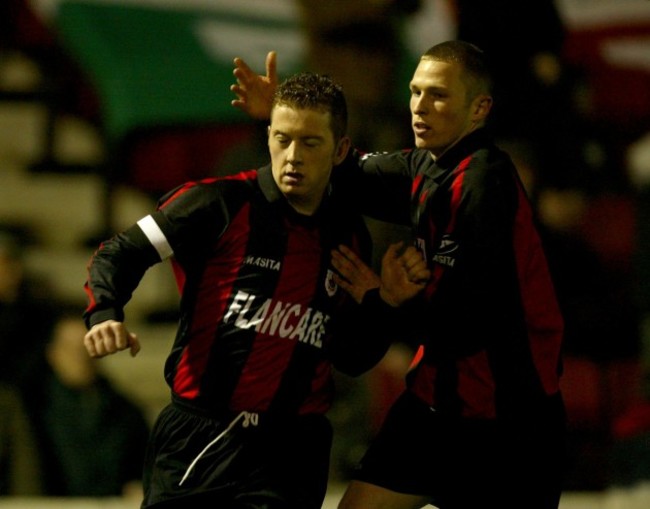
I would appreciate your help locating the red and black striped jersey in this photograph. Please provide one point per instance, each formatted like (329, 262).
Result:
(491, 328)
(260, 312)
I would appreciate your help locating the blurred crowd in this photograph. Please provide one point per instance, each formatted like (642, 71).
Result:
(66, 430)
(584, 162)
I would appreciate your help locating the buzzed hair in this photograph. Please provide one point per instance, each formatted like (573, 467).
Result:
(313, 91)
(472, 59)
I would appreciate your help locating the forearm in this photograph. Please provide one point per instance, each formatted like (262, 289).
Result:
(114, 272)
(367, 332)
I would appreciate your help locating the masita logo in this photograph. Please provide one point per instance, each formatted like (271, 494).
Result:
(446, 254)
(330, 284)
(276, 318)
(368, 155)
(264, 263)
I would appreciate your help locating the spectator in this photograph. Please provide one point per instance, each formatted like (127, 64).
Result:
(25, 313)
(19, 459)
(91, 437)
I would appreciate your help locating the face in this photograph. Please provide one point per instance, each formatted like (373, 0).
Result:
(67, 355)
(441, 111)
(303, 152)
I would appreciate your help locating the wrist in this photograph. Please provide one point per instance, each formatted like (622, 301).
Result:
(388, 298)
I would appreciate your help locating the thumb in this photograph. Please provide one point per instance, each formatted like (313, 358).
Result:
(393, 249)
(272, 66)
(135, 344)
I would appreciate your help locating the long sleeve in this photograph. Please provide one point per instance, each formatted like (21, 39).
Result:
(366, 331)
(114, 272)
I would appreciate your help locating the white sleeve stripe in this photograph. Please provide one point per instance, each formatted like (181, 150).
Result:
(155, 235)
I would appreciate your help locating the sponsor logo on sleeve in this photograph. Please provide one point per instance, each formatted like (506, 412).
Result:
(446, 253)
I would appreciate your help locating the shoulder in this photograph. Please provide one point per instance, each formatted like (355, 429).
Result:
(488, 163)
(487, 179)
(406, 154)
(405, 161)
(203, 192)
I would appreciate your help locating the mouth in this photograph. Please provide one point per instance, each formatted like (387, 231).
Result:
(420, 128)
(292, 177)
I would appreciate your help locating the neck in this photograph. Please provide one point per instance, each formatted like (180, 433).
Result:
(305, 209)
(471, 129)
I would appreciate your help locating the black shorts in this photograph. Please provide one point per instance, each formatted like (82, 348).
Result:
(461, 463)
(259, 463)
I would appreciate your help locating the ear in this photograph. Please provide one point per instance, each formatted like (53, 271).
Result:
(342, 149)
(481, 107)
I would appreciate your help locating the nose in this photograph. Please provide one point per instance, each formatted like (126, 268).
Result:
(293, 153)
(418, 104)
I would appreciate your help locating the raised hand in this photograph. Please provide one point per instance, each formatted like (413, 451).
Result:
(403, 275)
(254, 91)
(354, 276)
(109, 337)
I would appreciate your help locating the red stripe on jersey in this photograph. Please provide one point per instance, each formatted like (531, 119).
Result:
(319, 400)
(180, 191)
(456, 195)
(245, 175)
(92, 302)
(543, 316)
(271, 354)
(457, 192)
(419, 354)
(476, 386)
(91, 298)
(416, 183)
(422, 384)
(212, 299)
(179, 275)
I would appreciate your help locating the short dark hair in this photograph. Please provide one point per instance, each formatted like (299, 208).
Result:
(308, 90)
(473, 60)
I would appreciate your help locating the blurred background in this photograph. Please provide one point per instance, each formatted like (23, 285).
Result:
(107, 104)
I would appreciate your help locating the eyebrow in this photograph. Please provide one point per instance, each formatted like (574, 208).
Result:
(428, 88)
(306, 137)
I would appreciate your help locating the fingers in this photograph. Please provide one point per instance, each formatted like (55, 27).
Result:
(246, 76)
(254, 93)
(348, 263)
(342, 282)
(272, 66)
(393, 250)
(410, 259)
(242, 71)
(245, 80)
(110, 337)
(135, 344)
(415, 265)
(240, 102)
(391, 260)
(354, 276)
(89, 343)
(404, 274)
(344, 260)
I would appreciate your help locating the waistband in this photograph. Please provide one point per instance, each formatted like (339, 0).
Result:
(227, 415)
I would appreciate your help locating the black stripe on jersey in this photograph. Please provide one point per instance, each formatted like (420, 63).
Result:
(338, 225)
(265, 239)
(293, 391)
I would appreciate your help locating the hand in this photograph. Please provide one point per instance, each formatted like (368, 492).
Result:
(110, 337)
(355, 277)
(255, 92)
(403, 276)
